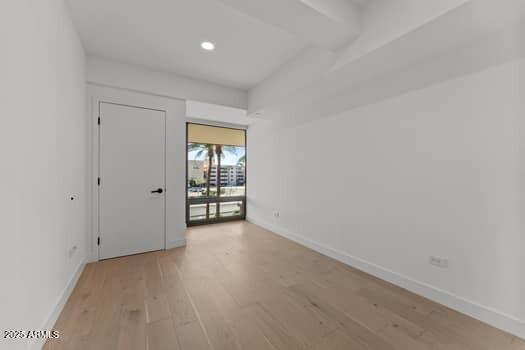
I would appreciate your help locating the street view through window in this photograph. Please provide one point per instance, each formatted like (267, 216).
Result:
(216, 175)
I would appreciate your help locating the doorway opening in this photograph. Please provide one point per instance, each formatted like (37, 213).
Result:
(215, 174)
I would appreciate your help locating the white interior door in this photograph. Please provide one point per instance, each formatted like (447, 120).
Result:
(132, 180)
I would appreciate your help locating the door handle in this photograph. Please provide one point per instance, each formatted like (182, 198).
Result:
(159, 190)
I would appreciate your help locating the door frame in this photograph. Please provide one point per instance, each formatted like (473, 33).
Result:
(99, 185)
(175, 114)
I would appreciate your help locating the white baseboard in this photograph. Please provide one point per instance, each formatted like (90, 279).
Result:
(176, 243)
(37, 344)
(482, 313)
(173, 244)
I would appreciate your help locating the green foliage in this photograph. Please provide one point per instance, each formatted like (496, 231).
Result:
(210, 150)
(195, 183)
(242, 161)
(202, 149)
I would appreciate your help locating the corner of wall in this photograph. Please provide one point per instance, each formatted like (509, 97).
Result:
(176, 243)
(49, 323)
(482, 313)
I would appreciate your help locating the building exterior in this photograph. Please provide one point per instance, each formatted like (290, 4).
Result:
(196, 171)
(231, 175)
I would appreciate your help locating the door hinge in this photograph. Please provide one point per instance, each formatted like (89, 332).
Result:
(98, 181)
(98, 121)
(98, 240)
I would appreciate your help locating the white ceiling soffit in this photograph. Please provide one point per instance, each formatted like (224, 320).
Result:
(385, 21)
(452, 23)
(490, 28)
(325, 23)
(196, 110)
(382, 22)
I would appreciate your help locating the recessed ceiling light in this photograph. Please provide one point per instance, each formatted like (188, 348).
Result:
(206, 45)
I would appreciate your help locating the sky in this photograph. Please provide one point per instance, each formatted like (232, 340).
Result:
(228, 159)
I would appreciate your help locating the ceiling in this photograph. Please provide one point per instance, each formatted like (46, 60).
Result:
(286, 53)
(453, 38)
(253, 38)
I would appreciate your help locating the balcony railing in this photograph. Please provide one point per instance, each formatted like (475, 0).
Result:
(230, 208)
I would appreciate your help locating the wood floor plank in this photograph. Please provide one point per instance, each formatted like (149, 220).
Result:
(180, 308)
(133, 313)
(161, 335)
(191, 336)
(470, 331)
(402, 338)
(215, 324)
(249, 335)
(155, 300)
(517, 344)
(303, 325)
(273, 329)
(236, 286)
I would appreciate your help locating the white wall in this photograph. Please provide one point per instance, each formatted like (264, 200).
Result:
(141, 79)
(435, 171)
(208, 112)
(43, 152)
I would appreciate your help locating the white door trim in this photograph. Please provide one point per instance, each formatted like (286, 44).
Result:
(174, 159)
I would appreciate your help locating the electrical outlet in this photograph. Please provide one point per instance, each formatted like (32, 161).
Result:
(439, 262)
(276, 214)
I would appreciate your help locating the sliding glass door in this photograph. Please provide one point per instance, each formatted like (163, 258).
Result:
(216, 174)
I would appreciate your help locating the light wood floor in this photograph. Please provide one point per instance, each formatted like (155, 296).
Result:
(238, 286)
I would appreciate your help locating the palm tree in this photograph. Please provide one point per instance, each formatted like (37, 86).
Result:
(210, 150)
(220, 150)
(242, 161)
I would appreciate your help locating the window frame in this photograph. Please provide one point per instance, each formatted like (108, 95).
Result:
(218, 198)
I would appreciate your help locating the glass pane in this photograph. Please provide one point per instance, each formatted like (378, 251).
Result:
(198, 211)
(233, 171)
(228, 209)
(199, 170)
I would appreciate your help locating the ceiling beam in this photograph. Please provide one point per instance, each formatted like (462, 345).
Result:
(325, 23)
(342, 11)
